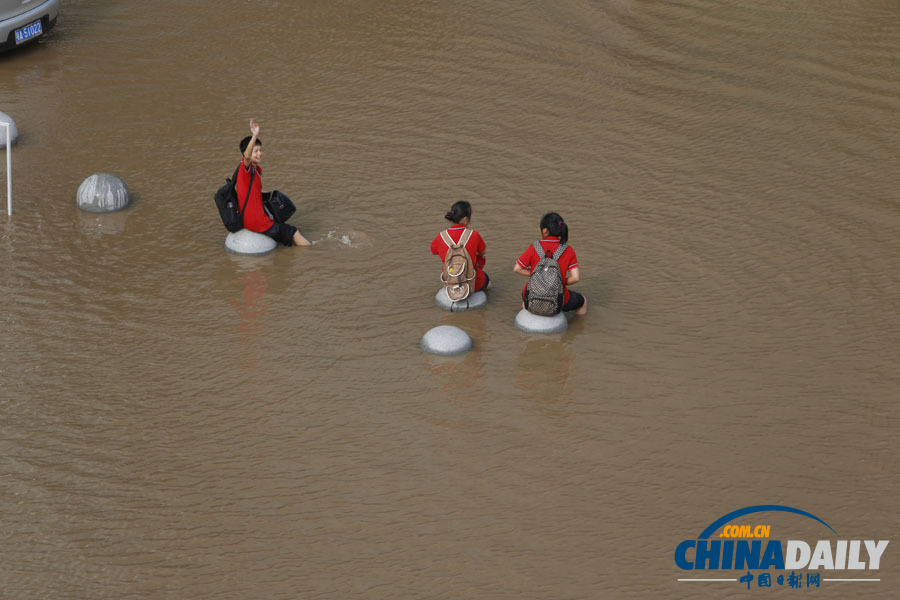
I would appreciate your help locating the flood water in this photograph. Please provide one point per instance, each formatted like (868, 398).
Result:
(181, 422)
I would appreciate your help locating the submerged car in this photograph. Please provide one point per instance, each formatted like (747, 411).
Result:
(24, 21)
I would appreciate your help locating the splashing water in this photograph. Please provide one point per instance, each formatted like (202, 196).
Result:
(343, 238)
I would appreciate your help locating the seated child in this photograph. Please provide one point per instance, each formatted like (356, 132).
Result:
(250, 174)
(461, 215)
(554, 232)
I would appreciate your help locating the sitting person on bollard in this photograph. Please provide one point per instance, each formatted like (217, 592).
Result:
(461, 215)
(556, 280)
(255, 217)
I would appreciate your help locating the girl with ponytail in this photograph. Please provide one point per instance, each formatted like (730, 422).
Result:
(460, 216)
(554, 234)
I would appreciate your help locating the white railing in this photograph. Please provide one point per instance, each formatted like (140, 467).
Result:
(8, 170)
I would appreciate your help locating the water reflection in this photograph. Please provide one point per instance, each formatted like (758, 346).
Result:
(545, 367)
(251, 306)
(463, 373)
(97, 224)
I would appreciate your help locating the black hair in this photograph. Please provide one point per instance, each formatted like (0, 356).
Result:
(554, 223)
(246, 142)
(459, 211)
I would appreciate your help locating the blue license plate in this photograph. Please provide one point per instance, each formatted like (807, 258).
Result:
(32, 30)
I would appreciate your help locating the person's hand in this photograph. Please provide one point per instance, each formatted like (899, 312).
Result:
(254, 127)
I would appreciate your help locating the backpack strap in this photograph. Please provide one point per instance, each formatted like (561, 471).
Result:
(249, 188)
(560, 250)
(447, 239)
(463, 240)
(540, 251)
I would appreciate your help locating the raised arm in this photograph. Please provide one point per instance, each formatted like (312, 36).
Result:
(254, 131)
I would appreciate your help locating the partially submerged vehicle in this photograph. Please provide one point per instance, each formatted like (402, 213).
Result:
(24, 21)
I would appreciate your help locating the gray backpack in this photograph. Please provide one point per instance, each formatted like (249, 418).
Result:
(544, 295)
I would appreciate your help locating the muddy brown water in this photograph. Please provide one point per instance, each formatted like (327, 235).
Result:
(179, 422)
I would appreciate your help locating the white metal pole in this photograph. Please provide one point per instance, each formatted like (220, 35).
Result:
(8, 172)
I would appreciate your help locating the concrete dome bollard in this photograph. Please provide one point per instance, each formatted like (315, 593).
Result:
(13, 132)
(532, 323)
(447, 340)
(249, 242)
(102, 192)
(476, 300)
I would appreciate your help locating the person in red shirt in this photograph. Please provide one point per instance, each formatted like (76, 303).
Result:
(554, 232)
(460, 215)
(255, 217)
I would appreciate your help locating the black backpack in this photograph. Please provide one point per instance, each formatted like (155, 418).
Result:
(226, 202)
(278, 206)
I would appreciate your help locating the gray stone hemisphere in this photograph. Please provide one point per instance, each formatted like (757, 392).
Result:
(102, 192)
(532, 323)
(249, 243)
(476, 300)
(13, 132)
(446, 340)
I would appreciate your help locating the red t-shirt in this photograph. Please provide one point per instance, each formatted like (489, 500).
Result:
(475, 247)
(255, 217)
(567, 261)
